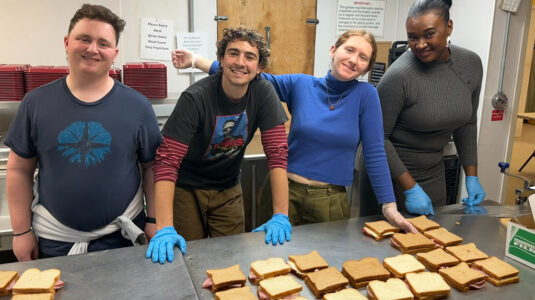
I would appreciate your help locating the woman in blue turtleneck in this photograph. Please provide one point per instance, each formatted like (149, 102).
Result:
(330, 116)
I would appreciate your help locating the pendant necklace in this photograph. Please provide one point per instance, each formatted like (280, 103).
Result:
(331, 105)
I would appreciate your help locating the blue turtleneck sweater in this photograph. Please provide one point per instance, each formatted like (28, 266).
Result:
(322, 142)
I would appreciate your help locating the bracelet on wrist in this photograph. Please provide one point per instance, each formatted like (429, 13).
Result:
(150, 220)
(22, 233)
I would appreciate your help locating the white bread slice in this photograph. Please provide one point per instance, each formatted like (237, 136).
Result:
(345, 294)
(428, 284)
(41, 296)
(379, 229)
(243, 293)
(33, 281)
(263, 269)
(6, 278)
(392, 289)
(279, 286)
(402, 264)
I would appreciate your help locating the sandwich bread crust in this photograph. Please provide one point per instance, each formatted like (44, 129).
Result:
(6, 279)
(325, 281)
(402, 264)
(467, 253)
(422, 223)
(392, 289)
(361, 272)
(462, 276)
(379, 229)
(243, 293)
(308, 262)
(428, 285)
(279, 286)
(34, 281)
(410, 243)
(436, 259)
(345, 294)
(443, 237)
(499, 272)
(263, 269)
(226, 277)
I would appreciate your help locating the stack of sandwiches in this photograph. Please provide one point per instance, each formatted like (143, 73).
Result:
(36, 284)
(264, 269)
(462, 277)
(403, 264)
(467, 253)
(7, 280)
(361, 272)
(224, 279)
(443, 237)
(427, 285)
(345, 294)
(498, 272)
(422, 223)
(306, 263)
(412, 243)
(379, 229)
(437, 259)
(392, 289)
(325, 281)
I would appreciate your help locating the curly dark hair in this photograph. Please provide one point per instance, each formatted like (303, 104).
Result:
(253, 37)
(100, 13)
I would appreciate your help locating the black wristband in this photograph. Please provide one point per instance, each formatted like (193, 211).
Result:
(150, 220)
(22, 233)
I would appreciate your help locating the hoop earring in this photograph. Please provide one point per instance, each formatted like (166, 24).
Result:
(67, 58)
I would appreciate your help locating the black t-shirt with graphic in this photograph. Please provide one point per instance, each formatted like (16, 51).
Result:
(218, 130)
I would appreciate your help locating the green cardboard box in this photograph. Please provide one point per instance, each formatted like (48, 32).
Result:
(520, 241)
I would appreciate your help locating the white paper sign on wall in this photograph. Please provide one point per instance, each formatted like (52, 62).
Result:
(196, 42)
(156, 39)
(367, 15)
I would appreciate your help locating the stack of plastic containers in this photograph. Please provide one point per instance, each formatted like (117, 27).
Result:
(36, 76)
(12, 82)
(150, 79)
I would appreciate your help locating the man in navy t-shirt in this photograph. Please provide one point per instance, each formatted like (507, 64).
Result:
(90, 136)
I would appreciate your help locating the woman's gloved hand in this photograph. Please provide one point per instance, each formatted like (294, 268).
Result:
(476, 194)
(277, 229)
(161, 246)
(417, 201)
(391, 213)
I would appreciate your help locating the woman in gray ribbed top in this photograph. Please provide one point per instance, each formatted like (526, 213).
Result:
(429, 94)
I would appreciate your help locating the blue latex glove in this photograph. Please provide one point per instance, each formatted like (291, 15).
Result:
(476, 194)
(277, 229)
(417, 201)
(161, 246)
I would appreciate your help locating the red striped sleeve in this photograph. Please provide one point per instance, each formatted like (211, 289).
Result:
(168, 158)
(275, 145)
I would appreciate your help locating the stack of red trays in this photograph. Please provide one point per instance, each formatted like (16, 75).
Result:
(37, 76)
(115, 74)
(12, 82)
(150, 79)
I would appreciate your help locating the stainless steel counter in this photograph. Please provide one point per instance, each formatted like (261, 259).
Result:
(340, 241)
(115, 274)
(126, 274)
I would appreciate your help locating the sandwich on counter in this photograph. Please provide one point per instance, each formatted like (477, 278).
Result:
(223, 279)
(422, 223)
(392, 289)
(325, 281)
(443, 237)
(427, 285)
(34, 281)
(467, 253)
(361, 272)
(403, 264)
(345, 294)
(498, 272)
(279, 287)
(305, 263)
(379, 229)
(7, 280)
(263, 269)
(412, 243)
(437, 259)
(242, 293)
(462, 277)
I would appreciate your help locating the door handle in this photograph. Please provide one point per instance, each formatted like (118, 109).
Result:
(268, 35)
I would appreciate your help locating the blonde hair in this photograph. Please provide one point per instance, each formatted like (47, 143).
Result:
(368, 36)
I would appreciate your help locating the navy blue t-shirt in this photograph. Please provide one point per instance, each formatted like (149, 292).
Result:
(87, 153)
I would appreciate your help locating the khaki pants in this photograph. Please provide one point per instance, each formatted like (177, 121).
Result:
(308, 203)
(198, 214)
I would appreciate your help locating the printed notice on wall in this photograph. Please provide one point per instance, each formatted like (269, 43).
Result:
(196, 42)
(367, 15)
(156, 39)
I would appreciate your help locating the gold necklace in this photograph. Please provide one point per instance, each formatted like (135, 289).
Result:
(331, 106)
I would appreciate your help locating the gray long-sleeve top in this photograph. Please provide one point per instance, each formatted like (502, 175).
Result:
(423, 104)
